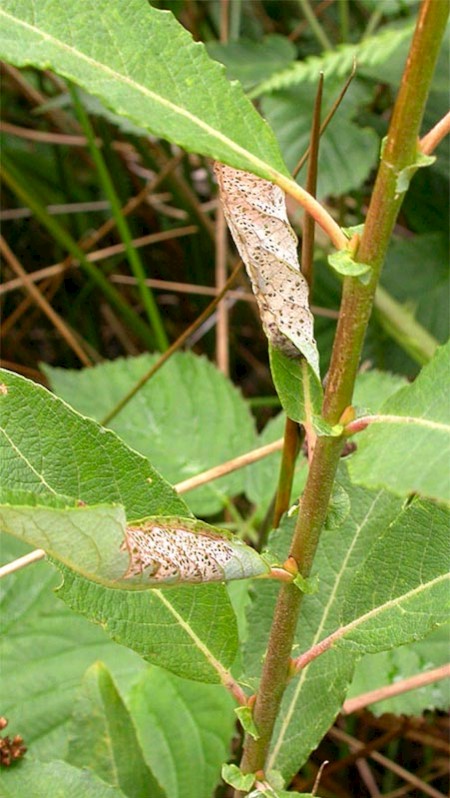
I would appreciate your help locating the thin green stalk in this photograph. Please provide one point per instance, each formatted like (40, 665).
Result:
(291, 445)
(65, 240)
(405, 330)
(235, 20)
(344, 20)
(315, 25)
(133, 256)
(374, 20)
(356, 305)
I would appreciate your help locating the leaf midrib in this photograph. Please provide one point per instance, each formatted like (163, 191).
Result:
(177, 109)
(209, 656)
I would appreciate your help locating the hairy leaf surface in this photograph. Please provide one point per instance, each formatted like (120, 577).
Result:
(58, 779)
(46, 448)
(191, 631)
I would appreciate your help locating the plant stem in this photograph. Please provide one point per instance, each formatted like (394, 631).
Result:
(315, 25)
(356, 305)
(344, 20)
(133, 256)
(291, 443)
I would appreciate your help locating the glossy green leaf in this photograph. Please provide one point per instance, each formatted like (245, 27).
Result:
(298, 387)
(245, 716)
(343, 263)
(58, 779)
(409, 451)
(144, 65)
(188, 401)
(45, 648)
(232, 775)
(189, 630)
(103, 738)
(405, 176)
(184, 729)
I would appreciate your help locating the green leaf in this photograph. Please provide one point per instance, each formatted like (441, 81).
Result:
(48, 449)
(144, 65)
(245, 715)
(405, 175)
(313, 699)
(297, 386)
(103, 738)
(86, 539)
(373, 388)
(184, 729)
(186, 419)
(97, 543)
(339, 507)
(231, 774)
(343, 263)
(409, 595)
(45, 648)
(58, 779)
(189, 630)
(389, 667)
(410, 450)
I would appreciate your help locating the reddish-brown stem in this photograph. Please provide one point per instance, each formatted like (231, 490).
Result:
(357, 299)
